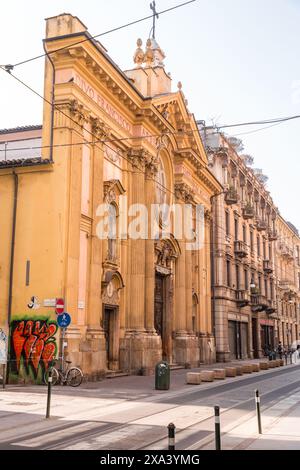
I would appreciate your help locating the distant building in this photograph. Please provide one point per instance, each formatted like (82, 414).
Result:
(21, 143)
(288, 283)
(244, 238)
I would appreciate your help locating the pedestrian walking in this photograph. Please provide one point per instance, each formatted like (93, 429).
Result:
(280, 350)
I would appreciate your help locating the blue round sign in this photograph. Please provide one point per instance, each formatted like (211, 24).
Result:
(63, 320)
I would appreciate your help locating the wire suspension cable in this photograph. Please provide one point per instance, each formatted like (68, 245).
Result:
(100, 35)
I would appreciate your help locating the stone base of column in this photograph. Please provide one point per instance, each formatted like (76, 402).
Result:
(186, 350)
(207, 349)
(88, 351)
(140, 351)
(223, 356)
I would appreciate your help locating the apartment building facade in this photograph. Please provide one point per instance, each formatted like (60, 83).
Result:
(288, 283)
(244, 236)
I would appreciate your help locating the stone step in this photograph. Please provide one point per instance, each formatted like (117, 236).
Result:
(176, 367)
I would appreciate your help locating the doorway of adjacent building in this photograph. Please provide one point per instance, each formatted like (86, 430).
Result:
(255, 338)
(238, 339)
(267, 338)
(110, 327)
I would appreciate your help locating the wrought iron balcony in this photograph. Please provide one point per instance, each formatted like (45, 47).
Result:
(268, 266)
(259, 303)
(272, 307)
(248, 212)
(240, 249)
(231, 196)
(273, 235)
(242, 298)
(261, 225)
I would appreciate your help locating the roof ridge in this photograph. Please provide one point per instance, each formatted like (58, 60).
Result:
(31, 127)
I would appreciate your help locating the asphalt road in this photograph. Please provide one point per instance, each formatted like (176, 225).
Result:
(133, 423)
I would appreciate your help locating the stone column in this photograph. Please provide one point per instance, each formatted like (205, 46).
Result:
(137, 262)
(74, 332)
(95, 354)
(181, 343)
(150, 255)
(180, 292)
(188, 290)
(140, 339)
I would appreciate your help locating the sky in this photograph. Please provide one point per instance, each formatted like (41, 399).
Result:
(237, 61)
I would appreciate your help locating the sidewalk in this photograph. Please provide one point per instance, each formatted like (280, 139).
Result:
(280, 427)
(135, 386)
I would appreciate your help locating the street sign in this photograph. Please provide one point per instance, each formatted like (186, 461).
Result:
(60, 306)
(63, 320)
(49, 303)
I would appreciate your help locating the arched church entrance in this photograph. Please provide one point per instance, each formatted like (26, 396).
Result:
(111, 286)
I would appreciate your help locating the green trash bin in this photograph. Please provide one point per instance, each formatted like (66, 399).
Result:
(162, 376)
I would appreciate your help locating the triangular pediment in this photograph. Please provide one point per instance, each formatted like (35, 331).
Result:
(174, 109)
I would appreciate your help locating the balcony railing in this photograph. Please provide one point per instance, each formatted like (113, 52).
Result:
(272, 307)
(287, 286)
(240, 249)
(248, 212)
(273, 235)
(242, 298)
(286, 252)
(268, 266)
(231, 196)
(261, 225)
(259, 303)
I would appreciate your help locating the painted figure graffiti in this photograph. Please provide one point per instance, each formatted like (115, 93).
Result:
(33, 344)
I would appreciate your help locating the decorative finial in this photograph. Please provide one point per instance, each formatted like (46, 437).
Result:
(179, 86)
(149, 55)
(139, 55)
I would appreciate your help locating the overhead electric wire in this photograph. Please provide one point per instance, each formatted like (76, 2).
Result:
(123, 157)
(89, 132)
(102, 34)
(258, 130)
(198, 131)
(253, 123)
(73, 120)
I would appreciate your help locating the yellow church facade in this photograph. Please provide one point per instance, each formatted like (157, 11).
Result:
(121, 141)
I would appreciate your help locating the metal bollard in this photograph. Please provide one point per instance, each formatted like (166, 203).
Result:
(49, 393)
(285, 357)
(217, 428)
(257, 401)
(171, 436)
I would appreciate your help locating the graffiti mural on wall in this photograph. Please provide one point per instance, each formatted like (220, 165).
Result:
(33, 346)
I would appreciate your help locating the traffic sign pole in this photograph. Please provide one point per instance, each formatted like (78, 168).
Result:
(63, 332)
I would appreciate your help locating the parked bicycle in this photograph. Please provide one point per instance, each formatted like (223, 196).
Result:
(72, 376)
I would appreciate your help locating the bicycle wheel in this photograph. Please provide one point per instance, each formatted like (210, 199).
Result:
(74, 377)
(55, 376)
